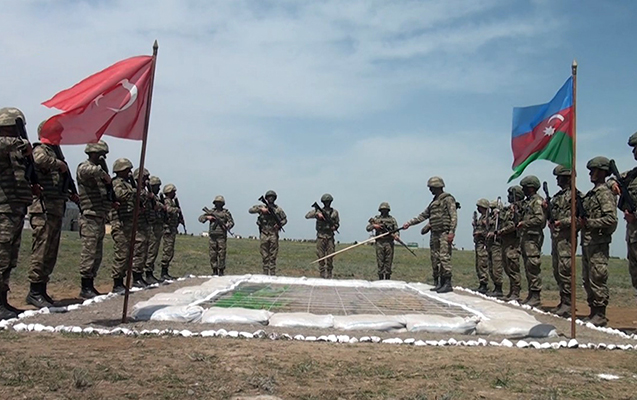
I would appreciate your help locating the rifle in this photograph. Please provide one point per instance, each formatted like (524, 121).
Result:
(475, 219)
(549, 207)
(67, 184)
(498, 202)
(218, 222)
(182, 221)
(272, 212)
(580, 210)
(110, 193)
(626, 201)
(385, 228)
(29, 165)
(326, 215)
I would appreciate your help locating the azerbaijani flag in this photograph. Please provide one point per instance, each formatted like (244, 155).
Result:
(544, 131)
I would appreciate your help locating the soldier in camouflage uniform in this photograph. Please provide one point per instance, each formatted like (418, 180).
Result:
(631, 218)
(15, 195)
(531, 238)
(508, 234)
(95, 189)
(142, 235)
(597, 226)
(171, 223)
(442, 216)
(156, 218)
(480, 231)
(560, 227)
(46, 215)
(221, 223)
(325, 234)
(269, 230)
(384, 245)
(494, 249)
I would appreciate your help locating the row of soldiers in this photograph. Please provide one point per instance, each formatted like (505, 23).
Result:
(36, 179)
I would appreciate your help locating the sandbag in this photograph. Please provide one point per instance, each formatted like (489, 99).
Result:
(440, 324)
(232, 315)
(178, 314)
(368, 322)
(301, 320)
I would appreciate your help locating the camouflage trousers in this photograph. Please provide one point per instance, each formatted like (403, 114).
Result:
(632, 263)
(496, 267)
(269, 250)
(595, 273)
(511, 261)
(154, 241)
(46, 231)
(10, 238)
(440, 250)
(561, 257)
(531, 246)
(168, 251)
(482, 262)
(140, 252)
(122, 234)
(217, 247)
(384, 256)
(92, 232)
(325, 246)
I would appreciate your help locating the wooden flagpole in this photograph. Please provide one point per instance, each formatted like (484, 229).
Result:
(351, 247)
(142, 159)
(574, 207)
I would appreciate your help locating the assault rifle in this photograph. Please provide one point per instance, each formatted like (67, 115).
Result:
(67, 185)
(272, 212)
(29, 165)
(549, 207)
(326, 215)
(475, 219)
(498, 202)
(580, 211)
(110, 193)
(626, 201)
(182, 221)
(217, 222)
(385, 228)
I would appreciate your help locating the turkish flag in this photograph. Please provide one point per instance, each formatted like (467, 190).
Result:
(111, 102)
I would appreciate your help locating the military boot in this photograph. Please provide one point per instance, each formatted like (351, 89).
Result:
(388, 276)
(6, 311)
(87, 289)
(381, 276)
(483, 288)
(165, 275)
(496, 292)
(215, 271)
(446, 285)
(564, 309)
(599, 316)
(118, 286)
(150, 278)
(534, 299)
(437, 284)
(46, 295)
(138, 281)
(35, 297)
(220, 271)
(329, 273)
(514, 294)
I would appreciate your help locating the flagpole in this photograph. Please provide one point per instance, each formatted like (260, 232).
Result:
(573, 207)
(140, 177)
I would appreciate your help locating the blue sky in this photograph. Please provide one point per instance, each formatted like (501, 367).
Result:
(362, 99)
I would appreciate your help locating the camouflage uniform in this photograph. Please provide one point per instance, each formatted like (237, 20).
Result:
(508, 234)
(156, 220)
(480, 231)
(269, 235)
(170, 231)
(494, 249)
(325, 238)
(122, 224)
(145, 220)
(217, 235)
(532, 238)
(631, 227)
(385, 244)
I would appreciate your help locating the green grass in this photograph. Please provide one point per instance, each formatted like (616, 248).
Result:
(191, 257)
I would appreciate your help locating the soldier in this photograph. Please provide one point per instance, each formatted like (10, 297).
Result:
(494, 249)
(508, 234)
(15, 195)
(385, 245)
(325, 228)
(46, 215)
(480, 230)
(531, 238)
(172, 220)
(270, 223)
(156, 219)
(221, 223)
(631, 218)
(443, 218)
(560, 227)
(597, 226)
(96, 198)
(145, 219)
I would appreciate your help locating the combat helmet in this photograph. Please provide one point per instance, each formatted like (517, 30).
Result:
(530, 181)
(632, 140)
(10, 115)
(327, 198)
(384, 206)
(599, 162)
(169, 188)
(99, 147)
(136, 173)
(435, 182)
(561, 170)
(121, 164)
(270, 193)
(516, 191)
(219, 199)
(484, 203)
(154, 181)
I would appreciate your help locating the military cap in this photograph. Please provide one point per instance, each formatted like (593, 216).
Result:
(169, 188)
(219, 199)
(483, 203)
(384, 206)
(122, 164)
(136, 173)
(599, 162)
(531, 181)
(436, 181)
(493, 204)
(9, 116)
(516, 191)
(99, 147)
(561, 170)
(632, 140)
(327, 197)
(154, 180)
(270, 193)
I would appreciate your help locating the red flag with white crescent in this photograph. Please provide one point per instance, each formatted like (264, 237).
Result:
(111, 102)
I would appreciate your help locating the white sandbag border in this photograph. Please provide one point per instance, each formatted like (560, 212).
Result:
(608, 330)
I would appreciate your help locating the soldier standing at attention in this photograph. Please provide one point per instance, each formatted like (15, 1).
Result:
(46, 219)
(270, 221)
(560, 227)
(508, 234)
(531, 238)
(144, 221)
(94, 186)
(156, 218)
(385, 245)
(172, 220)
(442, 216)
(15, 195)
(480, 240)
(494, 249)
(631, 218)
(597, 226)
(221, 222)
(325, 228)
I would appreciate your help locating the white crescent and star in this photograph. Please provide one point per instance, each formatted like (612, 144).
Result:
(132, 89)
(550, 130)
